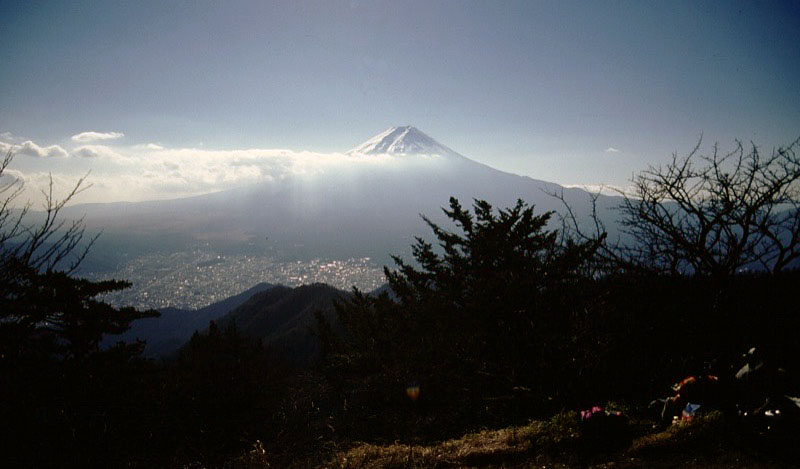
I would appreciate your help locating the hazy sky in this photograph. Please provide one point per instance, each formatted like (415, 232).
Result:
(585, 92)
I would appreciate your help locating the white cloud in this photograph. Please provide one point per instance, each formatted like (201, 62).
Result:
(611, 150)
(86, 152)
(96, 151)
(10, 137)
(149, 171)
(31, 149)
(9, 177)
(605, 189)
(146, 147)
(91, 136)
(191, 171)
(140, 174)
(33, 182)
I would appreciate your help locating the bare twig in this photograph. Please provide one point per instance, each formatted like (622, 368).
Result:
(712, 215)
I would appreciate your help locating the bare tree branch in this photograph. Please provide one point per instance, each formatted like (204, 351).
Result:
(46, 245)
(713, 214)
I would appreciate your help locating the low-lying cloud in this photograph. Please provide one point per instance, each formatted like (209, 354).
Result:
(97, 151)
(150, 171)
(605, 189)
(86, 152)
(9, 178)
(92, 136)
(10, 137)
(28, 148)
(189, 171)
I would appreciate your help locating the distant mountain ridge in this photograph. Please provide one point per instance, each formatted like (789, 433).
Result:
(166, 334)
(352, 210)
(356, 210)
(284, 317)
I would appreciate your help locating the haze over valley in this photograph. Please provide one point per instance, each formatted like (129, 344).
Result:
(338, 225)
(399, 233)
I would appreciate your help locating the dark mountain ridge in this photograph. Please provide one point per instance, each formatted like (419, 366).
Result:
(283, 317)
(164, 335)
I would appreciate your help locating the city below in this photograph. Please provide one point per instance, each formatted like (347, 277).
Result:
(196, 278)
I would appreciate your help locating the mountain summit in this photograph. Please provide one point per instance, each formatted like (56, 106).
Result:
(405, 140)
(349, 210)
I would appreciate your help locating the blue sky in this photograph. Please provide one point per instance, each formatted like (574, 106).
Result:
(536, 88)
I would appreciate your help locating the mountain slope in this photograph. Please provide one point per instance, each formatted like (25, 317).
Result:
(283, 317)
(165, 334)
(354, 209)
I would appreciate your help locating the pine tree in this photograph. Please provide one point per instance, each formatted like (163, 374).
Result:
(482, 315)
(44, 309)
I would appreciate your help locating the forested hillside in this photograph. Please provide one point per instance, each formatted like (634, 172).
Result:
(547, 345)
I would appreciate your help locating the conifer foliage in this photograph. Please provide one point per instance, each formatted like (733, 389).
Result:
(59, 394)
(44, 309)
(484, 315)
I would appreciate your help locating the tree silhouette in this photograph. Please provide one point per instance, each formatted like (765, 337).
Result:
(65, 399)
(487, 314)
(43, 308)
(709, 215)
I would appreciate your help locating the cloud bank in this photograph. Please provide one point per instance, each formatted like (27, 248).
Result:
(10, 137)
(605, 189)
(97, 151)
(150, 171)
(28, 148)
(92, 136)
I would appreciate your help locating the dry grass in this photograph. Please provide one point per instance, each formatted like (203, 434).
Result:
(508, 446)
(706, 442)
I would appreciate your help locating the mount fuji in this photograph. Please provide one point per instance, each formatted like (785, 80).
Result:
(352, 210)
(405, 140)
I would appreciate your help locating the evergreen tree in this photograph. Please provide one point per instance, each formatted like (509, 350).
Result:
(61, 397)
(44, 309)
(486, 314)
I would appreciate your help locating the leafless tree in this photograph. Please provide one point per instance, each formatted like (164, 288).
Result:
(714, 214)
(47, 244)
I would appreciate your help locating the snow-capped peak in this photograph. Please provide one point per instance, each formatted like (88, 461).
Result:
(405, 140)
